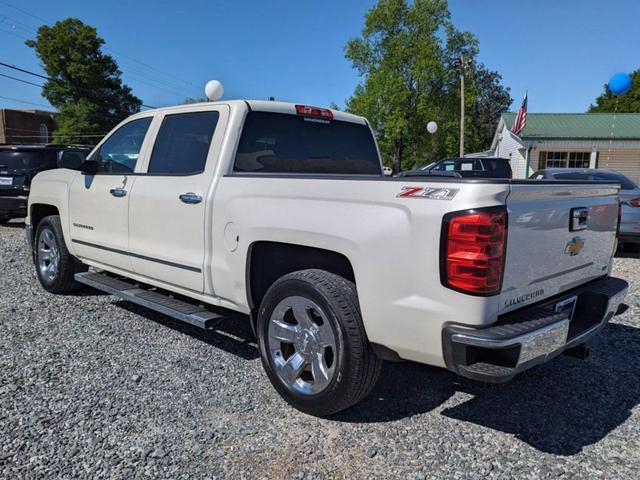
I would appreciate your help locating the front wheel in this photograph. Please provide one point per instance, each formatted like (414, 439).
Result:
(55, 266)
(313, 345)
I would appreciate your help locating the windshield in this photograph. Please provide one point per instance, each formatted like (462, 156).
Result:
(621, 179)
(26, 160)
(283, 143)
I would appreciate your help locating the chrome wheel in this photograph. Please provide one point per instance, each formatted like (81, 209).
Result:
(302, 345)
(48, 255)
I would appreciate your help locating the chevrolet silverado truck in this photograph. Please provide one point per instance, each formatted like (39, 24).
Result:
(282, 212)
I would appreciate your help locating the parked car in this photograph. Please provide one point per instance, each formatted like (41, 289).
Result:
(20, 163)
(481, 167)
(629, 198)
(282, 212)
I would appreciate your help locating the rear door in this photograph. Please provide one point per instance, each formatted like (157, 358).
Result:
(99, 204)
(559, 237)
(169, 213)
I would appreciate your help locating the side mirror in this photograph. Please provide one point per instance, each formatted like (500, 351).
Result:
(71, 159)
(89, 167)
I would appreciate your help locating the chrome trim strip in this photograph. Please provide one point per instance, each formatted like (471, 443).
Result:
(137, 255)
(571, 270)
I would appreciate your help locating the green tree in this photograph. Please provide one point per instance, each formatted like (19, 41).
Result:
(85, 84)
(406, 56)
(627, 103)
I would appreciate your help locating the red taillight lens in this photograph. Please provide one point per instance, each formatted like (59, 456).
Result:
(317, 112)
(509, 174)
(473, 250)
(635, 202)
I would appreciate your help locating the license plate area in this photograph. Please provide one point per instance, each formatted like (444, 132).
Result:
(6, 181)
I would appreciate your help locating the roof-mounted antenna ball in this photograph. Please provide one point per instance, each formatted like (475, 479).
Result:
(213, 90)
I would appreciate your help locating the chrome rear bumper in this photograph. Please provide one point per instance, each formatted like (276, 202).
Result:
(532, 335)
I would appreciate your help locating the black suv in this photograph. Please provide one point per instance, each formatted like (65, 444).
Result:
(466, 167)
(20, 163)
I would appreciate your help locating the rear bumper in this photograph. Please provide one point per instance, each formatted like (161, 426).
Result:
(532, 335)
(14, 206)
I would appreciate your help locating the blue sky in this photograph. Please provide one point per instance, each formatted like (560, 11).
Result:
(561, 51)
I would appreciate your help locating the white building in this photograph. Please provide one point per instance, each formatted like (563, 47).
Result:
(583, 140)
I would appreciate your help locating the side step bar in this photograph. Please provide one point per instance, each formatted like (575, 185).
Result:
(178, 309)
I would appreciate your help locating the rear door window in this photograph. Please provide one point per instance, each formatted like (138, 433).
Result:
(283, 143)
(182, 143)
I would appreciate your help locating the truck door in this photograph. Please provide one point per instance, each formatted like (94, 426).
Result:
(170, 216)
(99, 204)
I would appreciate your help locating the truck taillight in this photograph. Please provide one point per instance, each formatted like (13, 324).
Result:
(473, 249)
(317, 112)
(635, 202)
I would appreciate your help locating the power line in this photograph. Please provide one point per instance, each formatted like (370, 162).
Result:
(70, 133)
(14, 34)
(24, 101)
(20, 80)
(57, 135)
(46, 78)
(24, 11)
(109, 49)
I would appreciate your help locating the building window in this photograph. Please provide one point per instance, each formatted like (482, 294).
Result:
(44, 133)
(564, 159)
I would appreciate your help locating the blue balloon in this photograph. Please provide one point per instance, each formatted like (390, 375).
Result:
(620, 83)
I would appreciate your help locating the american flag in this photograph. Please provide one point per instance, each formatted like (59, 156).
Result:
(521, 118)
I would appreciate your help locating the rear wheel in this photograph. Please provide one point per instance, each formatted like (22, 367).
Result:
(313, 344)
(55, 266)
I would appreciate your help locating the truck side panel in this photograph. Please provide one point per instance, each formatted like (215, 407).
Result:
(392, 243)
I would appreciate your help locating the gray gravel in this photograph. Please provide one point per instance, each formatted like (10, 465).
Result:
(95, 387)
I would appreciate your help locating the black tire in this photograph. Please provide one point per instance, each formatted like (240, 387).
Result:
(63, 280)
(356, 366)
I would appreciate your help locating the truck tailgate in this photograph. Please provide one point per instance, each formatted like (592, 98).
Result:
(548, 252)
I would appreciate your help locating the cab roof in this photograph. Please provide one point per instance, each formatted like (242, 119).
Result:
(257, 105)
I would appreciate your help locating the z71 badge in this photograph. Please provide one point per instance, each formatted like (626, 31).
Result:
(428, 192)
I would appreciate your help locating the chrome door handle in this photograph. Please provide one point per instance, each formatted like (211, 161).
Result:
(118, 192)
(190, 198)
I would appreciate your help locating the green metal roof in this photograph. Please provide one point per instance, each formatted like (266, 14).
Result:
(595, 126)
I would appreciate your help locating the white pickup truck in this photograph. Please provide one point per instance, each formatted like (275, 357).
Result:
(282, 212)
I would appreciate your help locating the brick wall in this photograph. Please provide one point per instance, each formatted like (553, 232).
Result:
(26, 126)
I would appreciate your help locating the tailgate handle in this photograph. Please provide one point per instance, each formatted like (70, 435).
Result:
(579, 219)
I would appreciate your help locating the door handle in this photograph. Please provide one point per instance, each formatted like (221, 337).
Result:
(190, 198)
(118, 192)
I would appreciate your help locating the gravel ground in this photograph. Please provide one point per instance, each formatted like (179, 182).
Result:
(95, 387)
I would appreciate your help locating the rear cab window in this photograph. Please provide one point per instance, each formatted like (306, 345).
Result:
(294, 144)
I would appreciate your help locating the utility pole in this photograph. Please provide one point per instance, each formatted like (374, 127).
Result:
(461, 65)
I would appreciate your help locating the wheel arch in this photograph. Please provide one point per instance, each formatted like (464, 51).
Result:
(269, 260)
(38, 211)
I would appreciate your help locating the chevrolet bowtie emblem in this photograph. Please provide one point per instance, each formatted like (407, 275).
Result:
(574, 247)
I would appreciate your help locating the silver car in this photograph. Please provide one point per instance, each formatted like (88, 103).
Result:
(629, 198)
